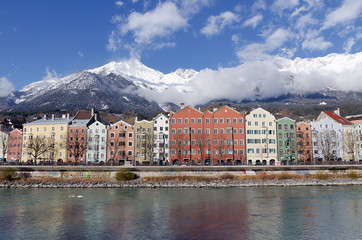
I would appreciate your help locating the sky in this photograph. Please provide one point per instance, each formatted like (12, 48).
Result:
(41, 39)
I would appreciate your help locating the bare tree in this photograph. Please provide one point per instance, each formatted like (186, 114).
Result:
(220, 145)
(349, 143)
(77, 145)
(4, 144)
(327, 144)
(201, 140)
(37, 146)
(177, 145)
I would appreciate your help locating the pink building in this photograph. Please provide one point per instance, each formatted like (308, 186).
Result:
(120, 143)
(14, 145)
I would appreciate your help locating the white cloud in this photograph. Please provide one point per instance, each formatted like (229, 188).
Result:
(281, 5)
(260, 51)
(80, 54)
(315, 42)
(114, 41)
(119, 3)
(305, 22)
(254, 21)
(191, 7)
(49, 74)
(215, 24)
(162, 21)
(268, 78)
(6, 87)
(348, 45)
(350, 10)
(258, 5)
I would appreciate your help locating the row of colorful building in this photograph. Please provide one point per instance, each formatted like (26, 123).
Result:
(218, 136)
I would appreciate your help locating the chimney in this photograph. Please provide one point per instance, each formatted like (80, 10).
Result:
(336, 111)
(68, 116)
(214, 108)
(182, 105)
(95, 116)
(63, 115)
(53, 117)
(45, 117)
(92, 111)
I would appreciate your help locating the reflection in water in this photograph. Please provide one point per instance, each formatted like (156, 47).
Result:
(232, 213)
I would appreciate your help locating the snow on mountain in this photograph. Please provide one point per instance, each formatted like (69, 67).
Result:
(146, 77)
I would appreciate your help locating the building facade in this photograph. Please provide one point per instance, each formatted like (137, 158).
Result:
(45, 140)
(96, 143)
(261, 141)
(4, 145)
(327, 138)
(144, 142)
(358, 142)
(15, 145)
(287, 141)
(304, 142)
(120, 143)
(161, 133)
(347, 133)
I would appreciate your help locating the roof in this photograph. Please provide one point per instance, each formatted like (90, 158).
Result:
(50, 121)
(83, 114)
(79, 123)
(338, 118)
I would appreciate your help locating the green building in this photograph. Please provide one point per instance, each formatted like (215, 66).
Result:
(287, 140)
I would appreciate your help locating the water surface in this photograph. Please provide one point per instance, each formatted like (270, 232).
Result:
(229, 213)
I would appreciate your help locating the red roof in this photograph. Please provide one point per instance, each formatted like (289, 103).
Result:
(338, 118)
(83, 114)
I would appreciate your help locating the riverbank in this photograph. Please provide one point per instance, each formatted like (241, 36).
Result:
(180, 184)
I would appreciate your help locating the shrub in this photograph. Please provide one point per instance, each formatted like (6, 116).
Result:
(283, 176)
(353, 174)
(322, 175)
(8, 174)
(125, 175)
(227, 176)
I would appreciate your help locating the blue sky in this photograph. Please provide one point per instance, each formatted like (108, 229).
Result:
(43, 38)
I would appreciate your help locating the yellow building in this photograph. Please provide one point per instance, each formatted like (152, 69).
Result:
(45, 140)
(144, 142)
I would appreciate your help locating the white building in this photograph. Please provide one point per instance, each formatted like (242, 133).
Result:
(161, 135)
(261, 142)
(4, 142)
(97, 142)
(327, 140)
(358, 142)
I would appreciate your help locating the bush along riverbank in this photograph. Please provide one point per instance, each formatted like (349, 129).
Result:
(130, 180)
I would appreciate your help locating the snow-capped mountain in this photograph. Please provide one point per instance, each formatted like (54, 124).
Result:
(131, 86)
(113, 86)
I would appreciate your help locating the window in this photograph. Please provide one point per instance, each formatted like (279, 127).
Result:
(207, 120)
(240, 120)
(215, 130)
(228, 120)
(215, 120)
(186, 120)
(192, 120)
(221, 120)
(130, 135)
(199, 120)
(179, 120)
(173, 120)
(234, 120)
(112, 135)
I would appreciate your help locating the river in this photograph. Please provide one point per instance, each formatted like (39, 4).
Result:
(224, 213)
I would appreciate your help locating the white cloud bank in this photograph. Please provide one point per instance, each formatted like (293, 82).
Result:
(6, 87)
(268, 78)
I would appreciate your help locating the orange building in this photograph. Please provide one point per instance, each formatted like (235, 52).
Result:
(120, 143)
(304, 142)
(214, 137)
(14, 145)
(77, 136)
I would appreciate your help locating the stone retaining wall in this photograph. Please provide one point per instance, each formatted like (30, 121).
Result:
(86, 172)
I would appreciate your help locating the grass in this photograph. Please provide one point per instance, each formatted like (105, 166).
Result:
(183, 178)
(8, 174)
